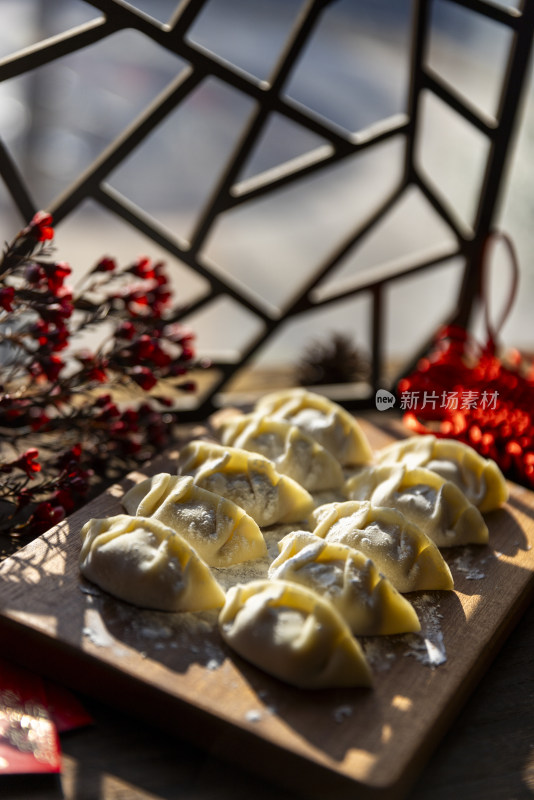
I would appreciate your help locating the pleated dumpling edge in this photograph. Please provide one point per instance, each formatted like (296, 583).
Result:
(323, 419)
(350, 580)
(248, 479)
(221, 532)
(292, 633)
(145, 563)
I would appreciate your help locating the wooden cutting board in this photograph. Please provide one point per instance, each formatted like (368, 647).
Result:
(174, 669)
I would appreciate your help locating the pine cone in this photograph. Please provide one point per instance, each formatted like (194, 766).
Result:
(334, 361)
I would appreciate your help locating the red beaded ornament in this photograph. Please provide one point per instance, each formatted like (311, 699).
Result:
(466, 391)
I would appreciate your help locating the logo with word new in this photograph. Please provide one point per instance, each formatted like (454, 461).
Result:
(384, 400)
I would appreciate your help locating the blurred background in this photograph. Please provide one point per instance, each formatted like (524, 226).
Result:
(354, 73)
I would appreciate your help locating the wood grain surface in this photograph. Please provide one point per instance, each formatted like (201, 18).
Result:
(175, 672)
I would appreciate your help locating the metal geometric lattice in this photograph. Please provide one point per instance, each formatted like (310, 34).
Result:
(268, 99)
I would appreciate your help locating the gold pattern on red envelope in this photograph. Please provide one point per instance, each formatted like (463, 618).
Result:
(28, 737)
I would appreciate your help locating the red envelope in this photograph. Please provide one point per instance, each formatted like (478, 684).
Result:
(28, 737)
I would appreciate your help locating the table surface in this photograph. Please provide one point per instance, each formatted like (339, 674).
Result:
(488, 753)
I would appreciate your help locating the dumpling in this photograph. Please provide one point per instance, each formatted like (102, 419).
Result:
(437, 506)
(147, 564)
(221, 532)
(366, 600)
(248, 479)
(398, 548)
(294, 634)
(294, 452)
(329, 423)
(480, 479)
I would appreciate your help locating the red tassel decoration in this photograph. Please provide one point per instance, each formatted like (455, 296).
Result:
(465, 391)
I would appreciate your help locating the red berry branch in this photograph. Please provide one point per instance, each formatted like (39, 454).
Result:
(65, 429)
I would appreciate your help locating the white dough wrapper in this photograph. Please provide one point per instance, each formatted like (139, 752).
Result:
(248, 479)
(398, 548)
(294, 634)
(480, 479)
(366, 600)
(293, 451)
(437, 506)
(328, 422)
(221, 532)
(145, 563)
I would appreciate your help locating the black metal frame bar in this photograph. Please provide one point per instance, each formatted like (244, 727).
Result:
(269, 98)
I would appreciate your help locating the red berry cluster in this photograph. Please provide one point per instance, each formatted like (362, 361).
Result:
(66, 429)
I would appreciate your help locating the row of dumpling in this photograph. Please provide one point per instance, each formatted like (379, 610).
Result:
(199, 508)
(395, 508)
(320, 445)
(340, 578)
